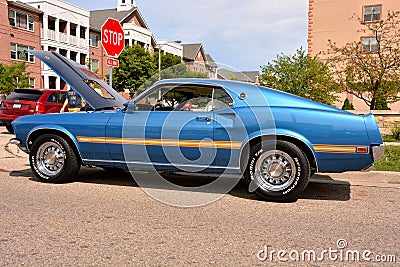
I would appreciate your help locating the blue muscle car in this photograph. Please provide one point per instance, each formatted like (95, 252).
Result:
(275, 140)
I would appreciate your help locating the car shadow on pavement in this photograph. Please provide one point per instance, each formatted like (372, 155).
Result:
(321, 187)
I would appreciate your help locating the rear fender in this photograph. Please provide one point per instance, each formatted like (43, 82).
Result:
(280, 134)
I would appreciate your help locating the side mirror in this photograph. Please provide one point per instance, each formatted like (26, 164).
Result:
(129, 107)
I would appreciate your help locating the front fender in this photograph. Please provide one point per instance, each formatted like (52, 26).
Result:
(53, 128)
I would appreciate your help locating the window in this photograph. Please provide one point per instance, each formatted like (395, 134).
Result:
(32, 82)
(21, 20)
(372, 13)
(57, 98)
(94, 40)
(20, 52)
(185, 98)
(370, 44)
(94, 65)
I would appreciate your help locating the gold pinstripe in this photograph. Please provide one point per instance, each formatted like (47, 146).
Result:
(161, 142)
(345, 149)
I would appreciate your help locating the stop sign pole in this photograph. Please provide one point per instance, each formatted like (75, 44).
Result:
(112, 39)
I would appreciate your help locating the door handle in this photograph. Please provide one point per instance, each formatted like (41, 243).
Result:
(207, 118)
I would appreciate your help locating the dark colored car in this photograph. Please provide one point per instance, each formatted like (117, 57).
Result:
(30, 101)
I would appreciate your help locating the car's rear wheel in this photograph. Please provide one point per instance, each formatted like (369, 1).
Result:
(53, 160)
(10, 129)
(277, 171)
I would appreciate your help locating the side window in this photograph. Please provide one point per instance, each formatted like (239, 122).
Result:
(61, 97)
(221, 100)
(52, 98)
(192, 98)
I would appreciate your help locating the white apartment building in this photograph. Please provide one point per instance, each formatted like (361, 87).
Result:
(66, 31)
(170, 47)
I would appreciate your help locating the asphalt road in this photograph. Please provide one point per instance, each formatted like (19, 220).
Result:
(105, 219)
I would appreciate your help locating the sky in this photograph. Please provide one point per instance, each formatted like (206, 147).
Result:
(242, 35)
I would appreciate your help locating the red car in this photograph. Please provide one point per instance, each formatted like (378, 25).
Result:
(30, 101)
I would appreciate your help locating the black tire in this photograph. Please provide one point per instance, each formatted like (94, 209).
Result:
(61, 164)
(277, 171)
(10, 129)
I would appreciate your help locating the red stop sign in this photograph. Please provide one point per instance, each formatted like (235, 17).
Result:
(112, 37)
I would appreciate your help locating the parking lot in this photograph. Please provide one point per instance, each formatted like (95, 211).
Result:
(105, 219)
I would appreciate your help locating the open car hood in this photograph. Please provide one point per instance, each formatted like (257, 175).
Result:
(77, 76)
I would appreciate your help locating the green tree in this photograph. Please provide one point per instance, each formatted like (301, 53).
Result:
(371, 72)
(176, 71)
(302, 75)
(347, 105)
(13, 76)
(167, 60)
(136, 66)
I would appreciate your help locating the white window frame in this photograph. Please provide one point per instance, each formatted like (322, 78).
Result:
(91, 41)
(32, 82)
(91, 65)
(30, 21)
(370, 44)
(30, 58)
(373, 7)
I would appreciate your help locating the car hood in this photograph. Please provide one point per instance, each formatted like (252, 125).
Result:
(77, 76)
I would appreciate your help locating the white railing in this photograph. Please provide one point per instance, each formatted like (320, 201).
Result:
(73, 40)
(83, 42)
(63, 38)
(51, 35)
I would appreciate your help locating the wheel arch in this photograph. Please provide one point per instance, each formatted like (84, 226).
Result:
(68, 137)
(302, 144)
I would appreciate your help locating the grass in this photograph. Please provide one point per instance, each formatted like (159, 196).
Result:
(389, 138)
(390, 160)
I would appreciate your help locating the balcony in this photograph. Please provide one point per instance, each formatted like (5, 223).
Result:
(48, 34)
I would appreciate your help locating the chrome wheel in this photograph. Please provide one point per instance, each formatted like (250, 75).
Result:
(275, 170)
(50, 158)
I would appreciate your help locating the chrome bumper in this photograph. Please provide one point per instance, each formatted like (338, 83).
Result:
(377, 152)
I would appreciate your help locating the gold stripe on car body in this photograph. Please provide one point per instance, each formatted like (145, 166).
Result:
(161, 142)
(340, 149)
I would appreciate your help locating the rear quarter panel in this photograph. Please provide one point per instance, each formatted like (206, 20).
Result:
(326, 128)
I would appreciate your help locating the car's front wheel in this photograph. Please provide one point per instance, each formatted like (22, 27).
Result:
(53, 160)
(277, 171)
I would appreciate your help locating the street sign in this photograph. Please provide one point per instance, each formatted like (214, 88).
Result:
(112, 62)
(112, 37)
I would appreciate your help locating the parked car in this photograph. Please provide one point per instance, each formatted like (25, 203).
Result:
(274, 139)
(30, 101)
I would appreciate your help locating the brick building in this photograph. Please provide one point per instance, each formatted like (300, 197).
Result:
(20, 26)
(56, 25)
(336, 20)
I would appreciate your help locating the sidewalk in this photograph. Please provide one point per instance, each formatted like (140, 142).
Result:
(373, 178)
(391, 143)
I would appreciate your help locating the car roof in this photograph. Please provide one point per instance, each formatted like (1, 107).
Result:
(39, 89)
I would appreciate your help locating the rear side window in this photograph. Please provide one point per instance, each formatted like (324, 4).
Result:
(24, 95)
(57, 98)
